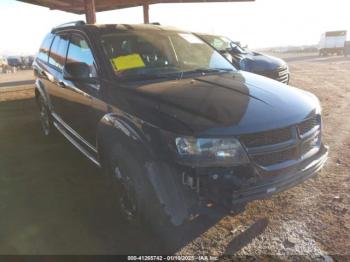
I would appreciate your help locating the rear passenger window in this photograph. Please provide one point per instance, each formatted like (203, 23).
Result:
(45, 48)
(79, 51)
(58, 51)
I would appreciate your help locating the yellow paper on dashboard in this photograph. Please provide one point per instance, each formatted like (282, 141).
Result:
(127, 62)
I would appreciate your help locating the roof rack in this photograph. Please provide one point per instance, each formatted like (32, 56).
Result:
(73, 23)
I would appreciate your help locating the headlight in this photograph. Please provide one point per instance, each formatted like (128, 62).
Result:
(207, 152)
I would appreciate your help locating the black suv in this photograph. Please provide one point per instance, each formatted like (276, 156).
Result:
(247, 60)
(173, 122)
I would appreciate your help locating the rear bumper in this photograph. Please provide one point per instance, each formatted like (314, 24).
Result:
(283, 182)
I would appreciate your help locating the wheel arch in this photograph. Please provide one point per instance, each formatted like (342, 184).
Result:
(40, 90)
(114, 129)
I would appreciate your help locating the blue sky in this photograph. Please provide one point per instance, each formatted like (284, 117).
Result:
(262, 23)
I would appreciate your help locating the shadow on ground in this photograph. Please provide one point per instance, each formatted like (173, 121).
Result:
(17, 83)
(54, 201)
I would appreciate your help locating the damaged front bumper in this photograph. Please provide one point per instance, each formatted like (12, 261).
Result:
(229, 188)
(185, 191)
(282, 182)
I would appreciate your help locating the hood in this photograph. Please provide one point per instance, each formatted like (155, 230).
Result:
(257, 62)
(221, 104)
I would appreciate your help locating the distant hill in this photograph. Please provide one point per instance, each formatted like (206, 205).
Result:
(291, 49)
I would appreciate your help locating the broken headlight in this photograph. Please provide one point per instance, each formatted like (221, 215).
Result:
(205, 152)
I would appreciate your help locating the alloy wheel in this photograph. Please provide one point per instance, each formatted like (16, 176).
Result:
(127, 200)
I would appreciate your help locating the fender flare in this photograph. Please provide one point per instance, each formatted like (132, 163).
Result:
(113, 127)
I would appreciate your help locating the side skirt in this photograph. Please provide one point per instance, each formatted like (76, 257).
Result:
(84, 147)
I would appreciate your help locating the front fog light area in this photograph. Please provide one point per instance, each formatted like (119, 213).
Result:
(210, 151)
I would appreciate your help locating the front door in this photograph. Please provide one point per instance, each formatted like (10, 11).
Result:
(77, 112)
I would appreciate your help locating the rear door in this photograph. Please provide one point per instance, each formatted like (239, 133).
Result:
(56, 60)
(40, 64)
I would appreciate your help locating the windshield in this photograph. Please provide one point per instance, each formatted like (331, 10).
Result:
(222, 43)
(156, 54)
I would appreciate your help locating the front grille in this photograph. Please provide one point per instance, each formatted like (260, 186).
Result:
(267, 138)
(308, 124)
(285, 144)
(309, 145)
(275, 157)
(281, 74)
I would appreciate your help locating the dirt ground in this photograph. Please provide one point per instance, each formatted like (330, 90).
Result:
(54, 201)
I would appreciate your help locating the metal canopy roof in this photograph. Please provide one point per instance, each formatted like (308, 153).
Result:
(90, 7)
(78, 6)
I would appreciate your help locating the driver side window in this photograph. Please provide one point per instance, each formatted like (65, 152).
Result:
(79, 51)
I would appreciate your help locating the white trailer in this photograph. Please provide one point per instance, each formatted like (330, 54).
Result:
(332, 42)
(3, 65)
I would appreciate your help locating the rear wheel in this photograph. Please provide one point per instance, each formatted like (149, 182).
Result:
(45, 118)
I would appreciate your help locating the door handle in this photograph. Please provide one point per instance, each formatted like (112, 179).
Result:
(61, 84)
(44, 74)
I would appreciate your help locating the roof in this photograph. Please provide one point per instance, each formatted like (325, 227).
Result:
(118, 27)
(77, 6)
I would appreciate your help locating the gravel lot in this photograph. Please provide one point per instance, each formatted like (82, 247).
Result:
(54, 201)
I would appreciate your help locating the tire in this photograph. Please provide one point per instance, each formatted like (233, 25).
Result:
(129, 172)
(46, 123)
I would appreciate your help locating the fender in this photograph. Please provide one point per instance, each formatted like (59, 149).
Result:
(113, 127)
(163, 179)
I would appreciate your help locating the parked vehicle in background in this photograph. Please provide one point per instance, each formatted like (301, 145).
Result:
(347, 48)
(15, 62)
(247, 60)
(332, 42)
(4, 66)
(3, 62)
(178, 129)
(27, 62)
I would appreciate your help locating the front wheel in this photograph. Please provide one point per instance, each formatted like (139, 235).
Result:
(137, 201)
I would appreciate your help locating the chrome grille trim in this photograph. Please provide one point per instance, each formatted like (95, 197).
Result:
(309, 126)
(280, 74)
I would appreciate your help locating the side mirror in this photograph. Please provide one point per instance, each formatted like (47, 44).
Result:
(76, 71)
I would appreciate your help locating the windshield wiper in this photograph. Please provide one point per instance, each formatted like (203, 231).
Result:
(151, 76)
(208, 70)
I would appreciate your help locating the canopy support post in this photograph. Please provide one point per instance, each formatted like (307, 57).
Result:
(90, 11)
(146, 14)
